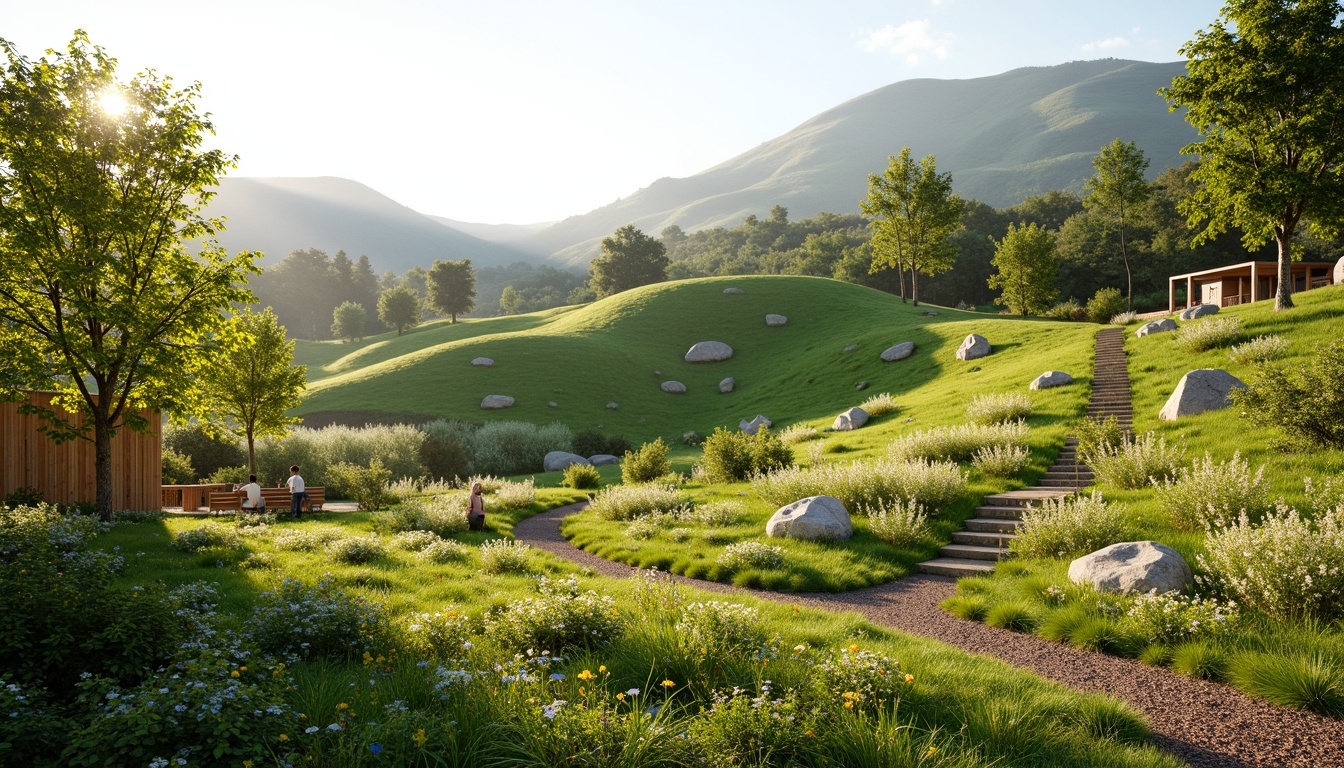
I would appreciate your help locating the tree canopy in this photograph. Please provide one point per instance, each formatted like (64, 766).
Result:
(1118, 189)
(451, 287)
(629, 259)
(347, 321)
(1027, 267)
(1263, 89)
(399, 307)
(102, 185)
(914, 213)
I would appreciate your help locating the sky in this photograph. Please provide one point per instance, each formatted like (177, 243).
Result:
(505, 111)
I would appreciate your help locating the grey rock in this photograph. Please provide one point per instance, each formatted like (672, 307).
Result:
(1132, 567)
(612, 406)
(559, 461)
(930, 313)
(862, 385)
(483, 362)
(850, 420)
(603, 459)
(552, 404)
(727, 385)
(973, 347)
(732, 291)
(1338, 275)
(1198, 311)
(1156, 326)
(774, 321)
(850, 348)
(673, 387)
(754, 426)
(1050, 380)
(812, 518)
(495, 402)
(1206, 389)
(708, 352)
(898, 351)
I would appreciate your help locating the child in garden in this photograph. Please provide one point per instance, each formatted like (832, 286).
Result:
(297, 491)
(476, 509)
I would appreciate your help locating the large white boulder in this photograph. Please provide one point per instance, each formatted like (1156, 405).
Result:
(812, 518)
(603, 459)
(1156, 326)
(973, 347)
(850, 420)
(559, 461)
(708, 352)
(1198, 311)
(1338, 275)
(1132, 567)
(495, 402)
(674, 387)
(482, 362)
(774, 321)
(1051, 379)
(1206, 389)
(754, 426)
(898, 351)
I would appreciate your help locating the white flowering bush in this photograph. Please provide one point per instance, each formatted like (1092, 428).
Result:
(649, 526)
(1067, 527)
(261, 520)
(560, 616)
(627, 502)
(898, 523)
(489, 483)
(305, 540)
(1285, 566)
(444, 551)
(505, 556)
(356, 550)
(1137, 461)
(860, 678)
(998, 408)
(1213, 495)
(716, 629)
(1172, 617)
(958, 442)
(798, 433)
(42, 526)
(439, 635)
(298, 621)
(515, 495)
(1001, 460)
(716, 514)
(414, 541)
(864, 483)
(1207, 333)
(444, 515)
(880, 405)
(207, 536)
(751, 554)
(1261, 349)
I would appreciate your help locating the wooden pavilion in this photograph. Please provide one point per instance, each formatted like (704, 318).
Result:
(1245, 283)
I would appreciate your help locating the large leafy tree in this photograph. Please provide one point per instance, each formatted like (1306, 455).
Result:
(399, 307)
(347, 321)
(249, 388)
(914, 213)
(102, 184)
(629, 259)
(1027, 267)
(451, 288)
(1118, 190)
(1264, 88)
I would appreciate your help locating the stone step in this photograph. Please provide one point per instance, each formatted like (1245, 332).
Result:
(1023, 497)
(1070, 483)
(972, 552)
(991, 525)
(1066, 474)
(955, 567)
(1000, 513)
(983, 538)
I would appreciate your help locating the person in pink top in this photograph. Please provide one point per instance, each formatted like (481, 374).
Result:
(297, 491)
(476, 509)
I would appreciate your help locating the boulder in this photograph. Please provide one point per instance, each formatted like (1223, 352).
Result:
(1206, 389)
(709, 352)
(674, 387)
(1156, 326)
(1132, 567)
(754, 426)
(732, 291)
(559, 461)
(774, 321)
(973, 347)
(727, 385)
(495, 402)
(1338, 276)
(552, 404)
(850, 348)
(812, 518)
(483, 362)
(612, 406)
(603, 459)
(898, 352)
(1198, 311)
(850, 420)
(862, 385)
(1051, 379)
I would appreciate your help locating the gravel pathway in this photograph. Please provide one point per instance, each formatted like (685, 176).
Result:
(1203, 723)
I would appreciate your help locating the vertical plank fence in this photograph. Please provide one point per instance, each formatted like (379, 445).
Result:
(64, 473)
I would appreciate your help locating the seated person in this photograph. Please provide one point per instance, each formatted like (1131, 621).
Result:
(253, 492)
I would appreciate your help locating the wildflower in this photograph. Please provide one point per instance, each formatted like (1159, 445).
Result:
(632, 692)
(284, 737)
(909, 678)
(342, 705)
(557, 676)
(375, 748)
(419, 738)
(668, 684)
(602, 668)
(335, 727)
(854, 648)
(311, 729)
(620, 697)
(585, 675)
(799, 648)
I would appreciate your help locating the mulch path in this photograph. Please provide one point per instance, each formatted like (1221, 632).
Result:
(1203, 723)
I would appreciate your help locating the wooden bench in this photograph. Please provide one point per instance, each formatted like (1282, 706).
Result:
(279, 499)
(225, 501)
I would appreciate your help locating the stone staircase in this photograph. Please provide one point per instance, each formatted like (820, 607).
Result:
(985, 539)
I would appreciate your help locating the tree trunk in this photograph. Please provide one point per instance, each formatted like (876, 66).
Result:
(1129, 277)
(102, 466)
(251, 453)
(1283, 299)
(914, 286)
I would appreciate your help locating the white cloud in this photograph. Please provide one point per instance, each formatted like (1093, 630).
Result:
(1108, 44)
(913, 40)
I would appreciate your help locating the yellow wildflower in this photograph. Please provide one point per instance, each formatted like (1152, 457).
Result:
(620, 697)
(854, 648)
(585, 675)
(669, 684)
(909, 678)
(233, 674)
(284, 737)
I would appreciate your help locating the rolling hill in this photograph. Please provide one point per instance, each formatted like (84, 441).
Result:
(1003, 138)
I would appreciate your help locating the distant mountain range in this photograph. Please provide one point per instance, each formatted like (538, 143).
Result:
(1003, 138)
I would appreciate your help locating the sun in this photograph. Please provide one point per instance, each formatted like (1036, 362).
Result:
(113, 103)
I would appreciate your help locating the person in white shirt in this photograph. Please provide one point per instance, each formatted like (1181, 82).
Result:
(253, 492)
(297, 491)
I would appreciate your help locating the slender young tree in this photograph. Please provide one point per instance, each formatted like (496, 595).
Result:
(1027, 267)
(102, 185)
(914, 213)
(451, 288)
(1118, 190)
(1263, 88)
(399, 308)
(347, 322)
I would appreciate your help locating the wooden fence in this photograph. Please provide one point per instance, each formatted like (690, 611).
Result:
(64, 473)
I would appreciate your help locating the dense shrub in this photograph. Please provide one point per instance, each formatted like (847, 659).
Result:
(1105, 304)
(1001, 460)
(1207, 333)
(880, 405)
(505, 556)
(315, 451)
(591, 442)
(516, 447)
(297, 621)
(647, 464)
(1067, 310)
(862, 484)
(581, 477)
(898, 523)
(295, 540)
(444, 459)
(441, 635)
(1173, 617)
(511, 495)
(1305, 404)
(627, 502)
(751, 554)
(561, 616)
(1261, 349)
(229, 475)
(444, 515)
(798, 433)
(716, 514)
(26, 496)
(957, 443)
(414, 540)
(1137, 461)
(1068, 527)
(356, 550)
(692, 438)
(366, 485)
(206, 451)
(1098, 436)
(720, 630)
(207, 536)
(176, 468)
(731, 455)
(1208, 495)
(444, 551)
(998, 408)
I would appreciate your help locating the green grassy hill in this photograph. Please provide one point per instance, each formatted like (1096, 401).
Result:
(622, 348)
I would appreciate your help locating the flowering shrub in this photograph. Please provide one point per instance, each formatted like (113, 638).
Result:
(294, 540)
(860, 484)
(1285, 566)
(648, 526)
(511, 495)
(799, 433)
(1136, 461)
(731, 455)
(751, 554)
(1173, 617)
(880, 405)
(998, 408)
(898, 523)
(1302, 403)
(1096, 436)
(1261, 349)
(581, 476)
(259, 520)
(29, 726)
(207, 536)
(561, 616)
(680, 535)
(296, 621)
(1001, 460)
(957, 443)
(366, 485)
(646, 464)
(444, 515)
(1073, 525)
(258, 561)
(716, 514)
(356, 550)
(717, 630)
(627, 502)
(1209, 495)
(439, 635)
(860, 678)
(415, 541)
(1207, 333)
(505, 556)
(766, 729)
(444, 551)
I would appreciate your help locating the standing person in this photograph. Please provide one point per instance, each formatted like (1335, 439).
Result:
(476, 509)
(253, 491)
(297, 491)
